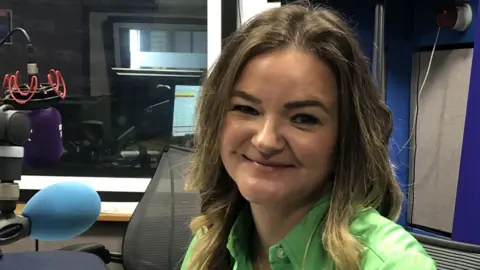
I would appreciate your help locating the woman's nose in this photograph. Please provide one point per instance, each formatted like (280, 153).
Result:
(268, 139)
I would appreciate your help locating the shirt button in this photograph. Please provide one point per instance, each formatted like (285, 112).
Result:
(281, 253)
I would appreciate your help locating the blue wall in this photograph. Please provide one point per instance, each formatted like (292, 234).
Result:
(399, 66)
(399, 42)
(466, 220)
(410, 24)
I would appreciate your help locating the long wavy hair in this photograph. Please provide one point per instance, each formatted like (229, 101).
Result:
(363, 174)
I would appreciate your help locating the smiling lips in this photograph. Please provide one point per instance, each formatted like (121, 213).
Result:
(269, 164)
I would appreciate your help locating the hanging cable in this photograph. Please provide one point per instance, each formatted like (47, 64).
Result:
(413, 131)
(15, 30)
(419, 93)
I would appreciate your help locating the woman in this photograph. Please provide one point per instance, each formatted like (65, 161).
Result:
(292, 159)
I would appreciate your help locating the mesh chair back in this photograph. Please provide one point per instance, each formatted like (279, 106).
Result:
(451, 255)
(158, 234)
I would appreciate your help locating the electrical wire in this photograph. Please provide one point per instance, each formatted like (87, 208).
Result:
(18, 29)
(419, 92)
(413, 133)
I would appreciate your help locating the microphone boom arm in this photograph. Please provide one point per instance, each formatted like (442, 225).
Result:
(15, 130)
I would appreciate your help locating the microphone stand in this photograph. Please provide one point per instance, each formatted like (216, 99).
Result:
(14, 133)
(15, 130)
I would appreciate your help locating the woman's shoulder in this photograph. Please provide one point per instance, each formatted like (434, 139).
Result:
(388, 244)
(189, 253)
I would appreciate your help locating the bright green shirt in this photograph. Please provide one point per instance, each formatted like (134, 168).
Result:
(387, 246)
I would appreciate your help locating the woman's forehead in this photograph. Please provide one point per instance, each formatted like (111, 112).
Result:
(289, 74)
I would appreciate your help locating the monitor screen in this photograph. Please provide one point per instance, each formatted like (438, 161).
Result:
(160, 46)
(5, 24)
(184, 109)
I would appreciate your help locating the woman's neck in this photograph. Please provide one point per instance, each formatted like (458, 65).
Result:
(272, 224)
(274, 221)
(259, 256)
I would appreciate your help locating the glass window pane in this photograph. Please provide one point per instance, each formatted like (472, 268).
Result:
(132, 70)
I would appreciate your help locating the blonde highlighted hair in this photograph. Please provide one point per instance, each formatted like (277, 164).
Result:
(363, 176)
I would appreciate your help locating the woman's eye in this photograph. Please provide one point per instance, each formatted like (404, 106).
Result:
(305, 119)
(245, 109)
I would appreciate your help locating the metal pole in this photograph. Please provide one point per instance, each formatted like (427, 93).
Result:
(378, 65)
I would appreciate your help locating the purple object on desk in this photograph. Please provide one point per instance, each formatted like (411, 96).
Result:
(45, 147)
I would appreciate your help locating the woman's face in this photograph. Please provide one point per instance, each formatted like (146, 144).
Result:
(280, 134)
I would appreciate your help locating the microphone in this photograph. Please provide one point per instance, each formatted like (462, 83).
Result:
(56, 213)
(45, 147)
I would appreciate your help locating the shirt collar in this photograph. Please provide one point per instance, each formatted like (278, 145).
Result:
(306, 234)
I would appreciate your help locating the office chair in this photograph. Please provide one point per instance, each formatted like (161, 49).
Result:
(158, 233)
(451, 255)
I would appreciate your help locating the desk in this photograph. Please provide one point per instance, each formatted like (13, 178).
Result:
(111, 211)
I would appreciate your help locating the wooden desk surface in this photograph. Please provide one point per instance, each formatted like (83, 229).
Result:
(111, 217)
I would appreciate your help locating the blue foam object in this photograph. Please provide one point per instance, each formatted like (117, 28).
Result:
(62, 211)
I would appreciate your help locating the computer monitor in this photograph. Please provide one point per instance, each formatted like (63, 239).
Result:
(5, 24)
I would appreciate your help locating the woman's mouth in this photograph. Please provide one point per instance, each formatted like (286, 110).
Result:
(268, 164)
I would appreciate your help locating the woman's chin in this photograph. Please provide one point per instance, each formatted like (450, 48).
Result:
(259, 195)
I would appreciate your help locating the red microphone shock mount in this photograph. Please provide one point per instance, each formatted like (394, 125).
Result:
(37, 95)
